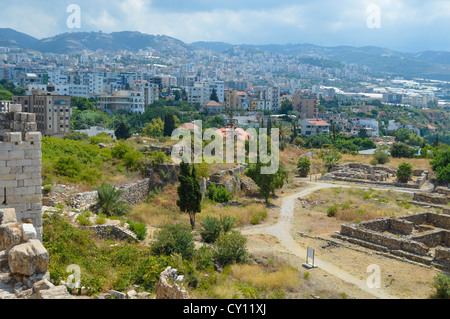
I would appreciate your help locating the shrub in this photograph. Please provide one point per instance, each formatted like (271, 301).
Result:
(133, 160)
(332, 210)
(100, 219)
(174, 239)
(230, 248)
(108, 202)
(120, 150)
(139, 228)
(304, 166)
(84, 221)
(255, 220)
(67, 166)
(218, 194)
(211, 229)
(227, 223)
(47, 189)
(148, 271)
(75, 136)
(441, 283)
(380, 157)
(204, 258)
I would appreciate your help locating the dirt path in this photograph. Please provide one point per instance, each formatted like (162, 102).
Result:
(283, 231)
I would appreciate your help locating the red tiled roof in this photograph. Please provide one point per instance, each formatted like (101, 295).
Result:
(212, 103)
(318, 122)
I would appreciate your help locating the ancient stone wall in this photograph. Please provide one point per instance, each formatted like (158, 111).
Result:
(431, 198)
(442, 254)
(111, 232)
(378, 175)
(20, 166)
(401, 226)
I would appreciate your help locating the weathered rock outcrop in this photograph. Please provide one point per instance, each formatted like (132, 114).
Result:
(168, 285)
(24, 263)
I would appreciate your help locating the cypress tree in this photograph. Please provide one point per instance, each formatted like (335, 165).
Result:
(169, 124)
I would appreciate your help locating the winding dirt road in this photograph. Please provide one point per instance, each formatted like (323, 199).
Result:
(283, 231)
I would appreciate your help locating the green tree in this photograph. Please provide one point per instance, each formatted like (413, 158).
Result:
(169, 124)
(123, 132)
(404, 172)
(155, 128)
(401, 150)
(286, 107)
(304, 166)
(109, 202)
(5, 95)
(18, 91)
(441, 165)
(330, 157)
(189, 193)
(82, 103)
(267, 183)
(214, 96)
(363, 134)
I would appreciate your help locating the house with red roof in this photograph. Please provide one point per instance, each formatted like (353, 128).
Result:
(211, 108)
(314, 126)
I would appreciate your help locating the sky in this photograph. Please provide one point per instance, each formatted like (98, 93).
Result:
(404, 25)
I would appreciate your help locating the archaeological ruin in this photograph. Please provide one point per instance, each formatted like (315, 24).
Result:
(422, 237)
(20, 165)
(373, 174)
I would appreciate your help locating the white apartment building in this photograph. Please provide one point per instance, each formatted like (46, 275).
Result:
(132, 101)
(201, 91)
(78, 90)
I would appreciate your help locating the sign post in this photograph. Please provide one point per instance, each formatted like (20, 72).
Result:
(309, 259)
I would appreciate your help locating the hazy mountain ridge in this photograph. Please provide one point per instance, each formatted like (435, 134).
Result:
(430, 64)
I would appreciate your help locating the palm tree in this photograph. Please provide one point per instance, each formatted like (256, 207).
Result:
(108, 202)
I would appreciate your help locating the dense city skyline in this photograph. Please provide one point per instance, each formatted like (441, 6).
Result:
(409, 26)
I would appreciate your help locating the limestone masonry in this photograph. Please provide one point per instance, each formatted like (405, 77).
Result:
(20, 165)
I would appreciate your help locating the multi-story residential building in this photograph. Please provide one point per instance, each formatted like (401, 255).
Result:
(314, 126)
(236, 100)
(201, 92)
(78, 90)
(306, 105)
(29, 78)
(149, 90)
(132, 101)
(52, 110)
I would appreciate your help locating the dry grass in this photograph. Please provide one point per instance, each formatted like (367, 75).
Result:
(360, 205)
(162, 209)
(286, 278)
(242, 214)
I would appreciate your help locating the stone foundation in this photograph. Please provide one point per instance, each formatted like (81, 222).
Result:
(413, 234)
(378, 175)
